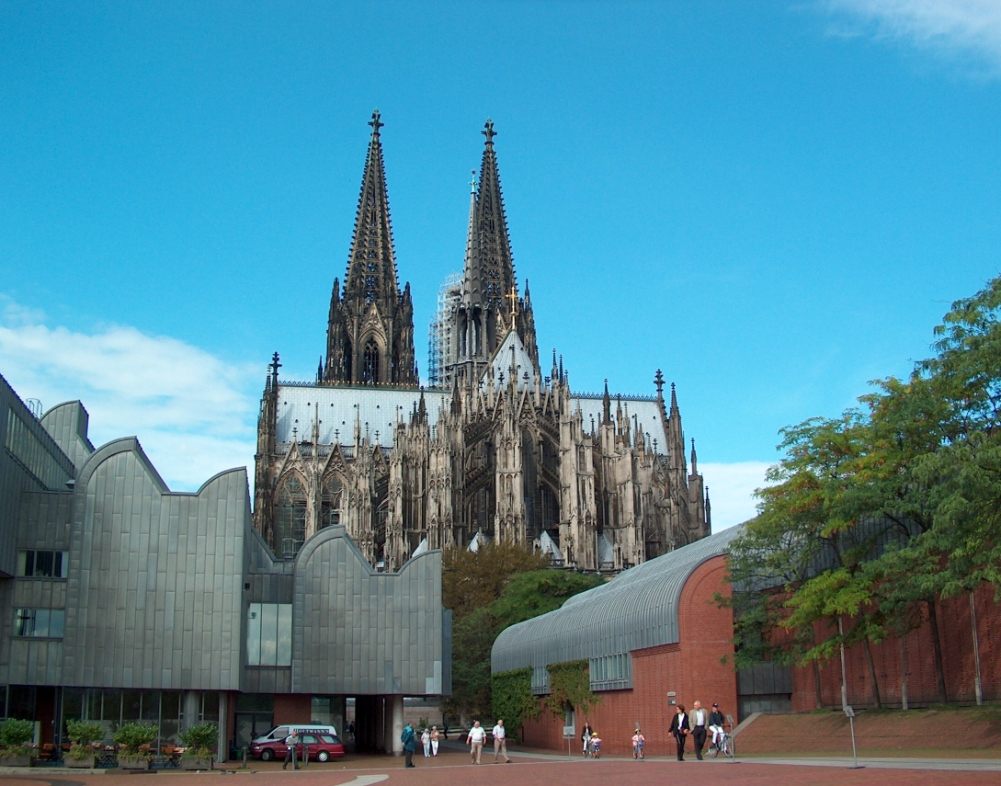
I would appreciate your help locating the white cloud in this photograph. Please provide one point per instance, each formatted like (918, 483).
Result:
(192, 412)
(731, 491)
(965, 29)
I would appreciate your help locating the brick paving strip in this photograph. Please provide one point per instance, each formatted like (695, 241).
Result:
(532, 769)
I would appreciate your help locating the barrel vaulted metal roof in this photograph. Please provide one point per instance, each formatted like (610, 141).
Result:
(637, 609)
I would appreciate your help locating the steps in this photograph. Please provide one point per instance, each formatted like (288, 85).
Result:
(967, 731)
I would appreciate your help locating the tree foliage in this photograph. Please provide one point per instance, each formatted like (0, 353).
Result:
(471, 580)
(488, 591)
(877, 514)
(513, 700)
(570, 684)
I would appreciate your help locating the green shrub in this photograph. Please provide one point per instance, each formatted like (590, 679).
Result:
(200, 739)
(83, 735)
(14, 736)
(131, 737)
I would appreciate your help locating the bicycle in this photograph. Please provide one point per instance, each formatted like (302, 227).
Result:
(723, 744)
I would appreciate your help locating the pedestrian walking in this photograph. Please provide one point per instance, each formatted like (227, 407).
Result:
(435, 739)
(698, 721)
(475, 742)
(407, 738)
(290, 744)
(500, 742)
(679, 729)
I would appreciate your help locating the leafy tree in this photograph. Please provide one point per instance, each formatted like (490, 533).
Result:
(471, 580)
(472, 638)
(877, 514)
(489, 590)
(538, 592)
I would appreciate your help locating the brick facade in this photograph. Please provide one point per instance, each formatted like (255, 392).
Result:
(956, 632)
(692, 669)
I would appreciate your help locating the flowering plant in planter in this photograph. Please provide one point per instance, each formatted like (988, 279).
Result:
(131, 737)
(83, 735)
(199, 740)
(14, 738)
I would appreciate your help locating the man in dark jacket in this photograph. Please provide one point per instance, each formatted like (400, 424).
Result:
(407, 738)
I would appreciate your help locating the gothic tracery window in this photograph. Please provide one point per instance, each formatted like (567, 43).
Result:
(290, 517)
(330, 502)
(370, 363)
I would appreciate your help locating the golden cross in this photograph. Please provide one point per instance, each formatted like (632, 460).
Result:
(513, 297)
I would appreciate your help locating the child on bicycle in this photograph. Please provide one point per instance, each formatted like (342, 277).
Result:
(595, 745)
(639, 742)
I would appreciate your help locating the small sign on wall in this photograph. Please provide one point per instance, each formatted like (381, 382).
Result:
(672, 698)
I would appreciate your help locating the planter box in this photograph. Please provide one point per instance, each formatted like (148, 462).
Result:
(133, 764)
(86, 763)
(196, 763)
(24, 760)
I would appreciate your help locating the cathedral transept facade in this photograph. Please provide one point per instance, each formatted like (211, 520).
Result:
(495, 450)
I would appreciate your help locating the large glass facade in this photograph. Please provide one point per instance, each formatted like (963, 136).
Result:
(269, 634)
(163, 709)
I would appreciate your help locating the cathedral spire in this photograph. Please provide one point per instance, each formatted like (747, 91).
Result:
(370, 325)
(489, 273)
(371, 270)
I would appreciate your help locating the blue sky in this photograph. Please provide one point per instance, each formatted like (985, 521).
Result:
(774, 202)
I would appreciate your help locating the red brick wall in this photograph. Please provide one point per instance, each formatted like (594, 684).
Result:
(956, 634)
(691, 669)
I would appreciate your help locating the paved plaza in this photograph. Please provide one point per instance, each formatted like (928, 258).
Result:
(453, 768)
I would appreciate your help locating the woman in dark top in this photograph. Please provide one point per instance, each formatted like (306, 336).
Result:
(679, 728)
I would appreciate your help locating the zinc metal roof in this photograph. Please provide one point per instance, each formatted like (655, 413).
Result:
(635, 610)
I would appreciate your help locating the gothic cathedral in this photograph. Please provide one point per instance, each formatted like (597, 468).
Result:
(492, 449)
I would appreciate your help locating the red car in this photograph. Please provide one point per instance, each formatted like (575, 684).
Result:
(322, 747)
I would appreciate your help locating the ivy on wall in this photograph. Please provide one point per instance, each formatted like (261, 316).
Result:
(513, 700)
(570, 683)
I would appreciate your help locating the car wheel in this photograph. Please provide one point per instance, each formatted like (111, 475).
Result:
(322, 756)
(267, 755)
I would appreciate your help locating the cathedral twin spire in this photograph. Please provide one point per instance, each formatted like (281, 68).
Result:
(370, 324)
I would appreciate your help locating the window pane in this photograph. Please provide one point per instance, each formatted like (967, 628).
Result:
(113, 705)
(210, 706)
(284, 634)
(57, 622)
(151, 706)
(43, 563)
(254, 635)
(131, 705)
(170, 705)
(269, 634)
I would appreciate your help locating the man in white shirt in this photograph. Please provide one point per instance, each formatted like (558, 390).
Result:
(500, 744)
(698, 720)
(475, 740)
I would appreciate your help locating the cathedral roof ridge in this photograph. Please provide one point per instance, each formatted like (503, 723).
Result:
(623, 396)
